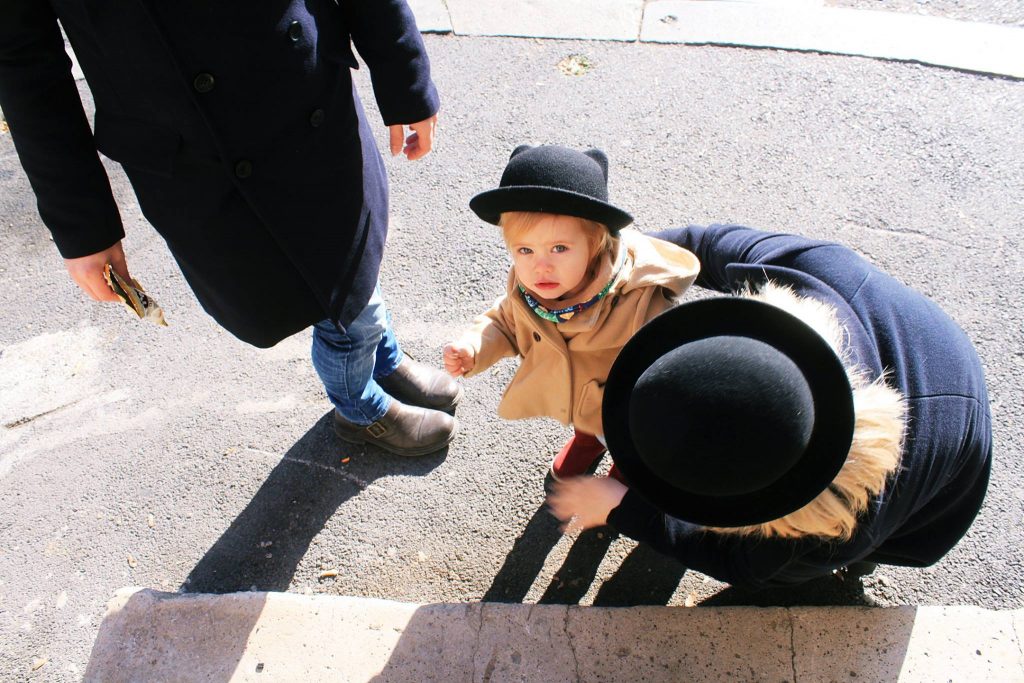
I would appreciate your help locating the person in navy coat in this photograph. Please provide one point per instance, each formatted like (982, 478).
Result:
(826, 417)
(246, 144)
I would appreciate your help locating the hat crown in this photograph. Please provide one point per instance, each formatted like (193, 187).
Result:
(560, 168)
(740, 415)
(721, 414)
(553, 179)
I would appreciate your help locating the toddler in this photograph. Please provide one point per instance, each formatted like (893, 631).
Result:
(578, 289)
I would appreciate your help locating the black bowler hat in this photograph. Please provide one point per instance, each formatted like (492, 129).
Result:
(728, 412)
(553, 179)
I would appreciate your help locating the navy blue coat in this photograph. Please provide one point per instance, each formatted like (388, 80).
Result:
(939, 488)
(240, 131)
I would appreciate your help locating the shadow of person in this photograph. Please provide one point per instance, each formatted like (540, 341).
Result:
(264, 544)
(835, 590)
(572, 580)
(526, 559)
(645, 577)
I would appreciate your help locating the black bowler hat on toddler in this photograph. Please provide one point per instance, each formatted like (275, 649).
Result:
(553, 179)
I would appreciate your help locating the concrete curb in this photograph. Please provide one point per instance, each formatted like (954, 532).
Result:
(964, 45)
(799, 26)
(148, 635)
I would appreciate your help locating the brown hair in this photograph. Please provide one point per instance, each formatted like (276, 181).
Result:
(516, 223)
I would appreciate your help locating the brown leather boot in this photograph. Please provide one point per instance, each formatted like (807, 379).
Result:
(416, 384)
(404, 430)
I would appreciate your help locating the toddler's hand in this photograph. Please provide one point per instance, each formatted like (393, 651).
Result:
(459, 358)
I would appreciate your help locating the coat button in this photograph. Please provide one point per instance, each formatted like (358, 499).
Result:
(295, 31)
(536, 336)
(316, 118)
(243, 169)
(203, 82)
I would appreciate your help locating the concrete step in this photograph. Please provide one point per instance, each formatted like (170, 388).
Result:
(800, 25)
(153, 636)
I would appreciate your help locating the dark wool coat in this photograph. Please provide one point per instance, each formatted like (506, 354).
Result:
(947, 456)
(240, 131)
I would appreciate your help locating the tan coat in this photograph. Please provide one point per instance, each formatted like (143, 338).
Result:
(564, 366)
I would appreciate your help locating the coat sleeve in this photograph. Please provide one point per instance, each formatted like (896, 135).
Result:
(492, 336)
(52, 137)
(386, 36)
(737, 560)
(730, 254)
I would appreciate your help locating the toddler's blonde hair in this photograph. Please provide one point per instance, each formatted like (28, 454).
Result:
(515, 224)
(878, 433)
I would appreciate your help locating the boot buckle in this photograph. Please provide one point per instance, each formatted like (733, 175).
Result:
(377, 430)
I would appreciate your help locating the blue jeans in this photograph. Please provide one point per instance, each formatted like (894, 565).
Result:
(349, 363)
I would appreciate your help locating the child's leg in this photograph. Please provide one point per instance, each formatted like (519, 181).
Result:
(577, 456)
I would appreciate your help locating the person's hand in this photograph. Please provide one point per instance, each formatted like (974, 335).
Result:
(584, 502)
(420, 141)
(459, 358)
(87, 272)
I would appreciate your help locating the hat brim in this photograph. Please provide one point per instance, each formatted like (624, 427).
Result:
(823, 371)
(491, 204)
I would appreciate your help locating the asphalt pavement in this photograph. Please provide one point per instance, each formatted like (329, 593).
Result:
(180, 460)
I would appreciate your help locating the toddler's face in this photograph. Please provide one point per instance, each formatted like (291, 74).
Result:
(551, 259)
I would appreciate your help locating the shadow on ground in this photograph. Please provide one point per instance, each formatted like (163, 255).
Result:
(645, 577)
(263, 546)
(836, 590)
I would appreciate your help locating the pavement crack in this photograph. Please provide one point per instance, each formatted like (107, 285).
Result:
(572, 645)
(640, 28)
(318, 465)
(21, 421)
(1015, 615)
(883, 227)
(792, 643)
(476, 641)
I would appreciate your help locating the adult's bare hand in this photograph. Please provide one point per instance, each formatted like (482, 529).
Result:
(584, 502)
(420, 141)
(87, 271)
